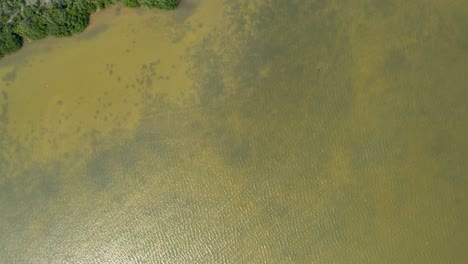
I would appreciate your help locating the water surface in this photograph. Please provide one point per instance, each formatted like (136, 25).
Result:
(240, 132)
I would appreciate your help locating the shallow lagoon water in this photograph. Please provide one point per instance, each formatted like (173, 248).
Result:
(255, 131)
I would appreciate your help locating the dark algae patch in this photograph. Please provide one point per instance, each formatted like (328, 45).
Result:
(59, 18)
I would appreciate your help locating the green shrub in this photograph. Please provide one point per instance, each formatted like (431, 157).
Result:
(9, 40)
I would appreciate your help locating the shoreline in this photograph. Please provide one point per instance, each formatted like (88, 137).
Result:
(58, 18)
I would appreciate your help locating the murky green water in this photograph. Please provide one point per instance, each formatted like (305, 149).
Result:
(240, 132)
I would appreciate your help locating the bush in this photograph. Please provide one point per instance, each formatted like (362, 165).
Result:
(162, 4)
(9, 41)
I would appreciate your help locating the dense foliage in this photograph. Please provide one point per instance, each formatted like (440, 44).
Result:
(36, 19)
(9, 40)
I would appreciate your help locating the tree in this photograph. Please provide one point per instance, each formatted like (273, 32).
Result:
(31, 28)
(162, 4)
(9, 41)
(130, 3)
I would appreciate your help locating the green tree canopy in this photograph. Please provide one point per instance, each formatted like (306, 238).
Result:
(10, 41)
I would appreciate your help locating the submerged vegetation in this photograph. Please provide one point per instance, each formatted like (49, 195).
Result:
(36, 19)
